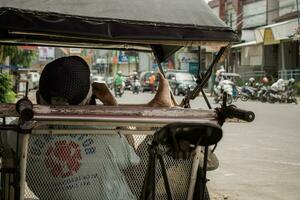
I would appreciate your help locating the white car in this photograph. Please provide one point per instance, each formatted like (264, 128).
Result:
(99, 79)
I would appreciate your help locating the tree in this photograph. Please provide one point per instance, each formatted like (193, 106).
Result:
(17, 56)
(6, 93)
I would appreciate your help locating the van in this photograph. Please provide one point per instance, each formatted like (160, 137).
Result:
(33, 80)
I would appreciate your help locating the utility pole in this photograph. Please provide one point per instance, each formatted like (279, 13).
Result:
(297, 2)
(298, 33)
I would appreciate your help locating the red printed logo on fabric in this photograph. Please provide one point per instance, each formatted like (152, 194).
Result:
(63, 158)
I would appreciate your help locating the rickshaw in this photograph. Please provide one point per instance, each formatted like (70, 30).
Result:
(180, 139)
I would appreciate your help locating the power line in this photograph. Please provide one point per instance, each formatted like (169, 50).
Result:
(272, 10)
(259, 13)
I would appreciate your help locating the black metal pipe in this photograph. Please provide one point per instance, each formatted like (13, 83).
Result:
(199, 63)
(153, 175)
(204, 172)
(165, 177)
(205, 98)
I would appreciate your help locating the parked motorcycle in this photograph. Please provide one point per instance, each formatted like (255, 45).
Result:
(276, 92)
(263, 93)
(248, 92)
(291, 96)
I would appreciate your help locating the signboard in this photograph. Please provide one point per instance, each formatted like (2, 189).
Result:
(188, 57)
(46, 53)
(123, 59)
(269, 38)
(75, 50)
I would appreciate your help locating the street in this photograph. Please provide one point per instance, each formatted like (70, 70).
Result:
(258, 160)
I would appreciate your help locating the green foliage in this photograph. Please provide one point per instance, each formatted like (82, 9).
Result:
(18, 57)
(6, 93)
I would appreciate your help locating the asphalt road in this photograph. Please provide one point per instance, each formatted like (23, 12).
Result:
(258, 160)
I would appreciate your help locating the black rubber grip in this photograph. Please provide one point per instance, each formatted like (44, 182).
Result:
(25, 108)
(235, 112)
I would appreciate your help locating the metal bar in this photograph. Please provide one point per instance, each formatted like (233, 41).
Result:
(165, 177)
(91, 132)
(199, 63)
(194, 170)
(8, 127)
(149, 180)
(199, 78)
(298, 15)
(23, 161)
(2, 194)
(153, 175)
(17, 191)
(206, 100)
(204, 172)
(115, 113)
(124, 122)
(27, 89)
(9, 186)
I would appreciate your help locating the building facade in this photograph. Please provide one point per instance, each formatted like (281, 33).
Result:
(269, 31)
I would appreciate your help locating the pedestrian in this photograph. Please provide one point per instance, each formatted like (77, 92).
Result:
(152, 80)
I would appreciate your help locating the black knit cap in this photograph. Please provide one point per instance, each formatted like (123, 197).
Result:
(67, 77)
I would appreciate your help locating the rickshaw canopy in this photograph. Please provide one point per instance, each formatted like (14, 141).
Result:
(157, 25)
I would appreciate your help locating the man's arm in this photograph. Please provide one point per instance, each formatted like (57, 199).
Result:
(101, 91)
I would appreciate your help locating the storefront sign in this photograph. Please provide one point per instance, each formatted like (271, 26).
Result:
(46, 53)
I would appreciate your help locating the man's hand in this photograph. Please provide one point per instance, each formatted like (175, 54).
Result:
(101, 91)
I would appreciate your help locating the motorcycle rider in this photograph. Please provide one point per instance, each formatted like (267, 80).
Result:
(135, 83)
(135, 76)
(119, 84)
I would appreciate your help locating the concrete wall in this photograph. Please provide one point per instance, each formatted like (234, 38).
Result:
(251, 55)
(145, 62)
(287, 6)
(254, 14)
(273, 10)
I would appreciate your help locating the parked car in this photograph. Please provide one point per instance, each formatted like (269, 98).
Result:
(110, 82)
(144, 79)
(98, 78)
(181, 82)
